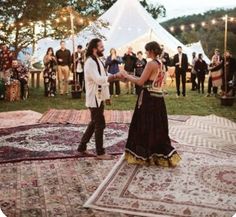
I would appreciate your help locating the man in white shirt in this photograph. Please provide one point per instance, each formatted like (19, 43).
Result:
(97, 92)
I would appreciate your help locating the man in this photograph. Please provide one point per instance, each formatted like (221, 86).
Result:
(21, 73)
(165, 58)
(129, 60)
(193, 72)
(64, 61)
(97, 92)
(181, 67)
(79, 65)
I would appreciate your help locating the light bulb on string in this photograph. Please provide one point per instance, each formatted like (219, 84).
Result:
(193, 25)
(57, 20)
(172, 29)
(203, 24)
(213, 21)
(231, 19)
(31, 23)
(21, 24)
(182, 27)
(64, 18)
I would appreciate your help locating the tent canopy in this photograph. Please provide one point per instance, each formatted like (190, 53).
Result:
(129, 25)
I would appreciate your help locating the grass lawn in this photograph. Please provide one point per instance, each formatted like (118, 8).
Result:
(193, 104)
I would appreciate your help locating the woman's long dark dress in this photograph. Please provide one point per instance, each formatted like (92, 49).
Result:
(148, 141)
(49, 75)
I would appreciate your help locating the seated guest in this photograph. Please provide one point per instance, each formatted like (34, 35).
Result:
(112, 65)
(139, 67)
(49, 73)
(20, 73)
(201, 68)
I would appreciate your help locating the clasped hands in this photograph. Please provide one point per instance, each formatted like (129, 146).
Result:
(122, 75)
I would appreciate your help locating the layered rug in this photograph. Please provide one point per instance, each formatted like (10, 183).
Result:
(52, 188)
(204, 184)
(19, 118)
(51, 141)
(54, 116)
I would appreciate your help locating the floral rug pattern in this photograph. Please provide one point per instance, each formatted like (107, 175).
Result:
(50, 141)
(203, 185)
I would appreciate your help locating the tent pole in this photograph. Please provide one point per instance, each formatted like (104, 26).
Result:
(225, 49)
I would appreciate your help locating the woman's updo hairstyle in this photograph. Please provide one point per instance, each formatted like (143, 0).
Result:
(153, 47)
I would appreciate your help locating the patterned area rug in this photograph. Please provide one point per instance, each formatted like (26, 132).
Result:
(203, 185)
(54, 116)
(52, 188)
(50, 141)
(19, 118)
(210, 132)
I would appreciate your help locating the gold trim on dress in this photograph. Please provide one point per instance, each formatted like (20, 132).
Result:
(171, 161)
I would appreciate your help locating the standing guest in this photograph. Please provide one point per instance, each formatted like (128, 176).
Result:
(97, 92)
(193, 72)
(139, 67)
(215, 75)
(148, 140)
(201, 69)
(20, 73)
(6, 57)
(230, 71)
(64, 61)
(79, 65)
(129, 60)
(165, 58)
(181, 67)
(217, 55)
(49, 73)
(112, 65)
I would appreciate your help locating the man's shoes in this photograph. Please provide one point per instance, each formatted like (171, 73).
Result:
(83, 152)
(177, 96)
(104, 157)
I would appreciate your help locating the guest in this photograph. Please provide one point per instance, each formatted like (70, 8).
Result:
(217, 56)
(112, 65)
(148, 140)
(97, 92)
(193, 72)
(230, 71)
(165, 58)
(6, 57)
(79, 66)
(215, 76)
(49, 73)
(20, 73)
(139, 67)
(64, 61)
(129, 60)
(181, 67)
(201, 69)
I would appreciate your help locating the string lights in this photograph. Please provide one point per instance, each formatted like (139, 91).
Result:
(202, 24)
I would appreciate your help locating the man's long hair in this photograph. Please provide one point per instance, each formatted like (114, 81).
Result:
(93, 44)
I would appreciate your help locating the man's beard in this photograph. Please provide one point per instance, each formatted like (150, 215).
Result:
(100, 53)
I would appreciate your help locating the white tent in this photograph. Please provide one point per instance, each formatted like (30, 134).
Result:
(197, 47)
(130, 24)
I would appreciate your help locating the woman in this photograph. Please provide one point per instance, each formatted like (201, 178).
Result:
(139, 67)
(112, 65)
(148, 141)
(215, 75)
(201, 69)
(49, 73)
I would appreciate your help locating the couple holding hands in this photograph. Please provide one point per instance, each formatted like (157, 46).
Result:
(148, 140)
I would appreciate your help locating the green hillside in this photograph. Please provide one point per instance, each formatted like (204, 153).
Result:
(211, 36)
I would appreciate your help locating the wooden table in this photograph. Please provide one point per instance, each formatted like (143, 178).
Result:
(33, 73)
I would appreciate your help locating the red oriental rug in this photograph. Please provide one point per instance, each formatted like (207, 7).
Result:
(204, 184)
(53, 141)
(54, 116)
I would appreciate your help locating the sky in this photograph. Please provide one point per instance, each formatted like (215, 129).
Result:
(177, 8)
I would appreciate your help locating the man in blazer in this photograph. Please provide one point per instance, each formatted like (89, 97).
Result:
(181, 67)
